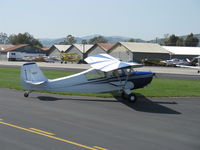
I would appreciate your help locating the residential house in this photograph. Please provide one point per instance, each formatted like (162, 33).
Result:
(19, 52)
(3, 55)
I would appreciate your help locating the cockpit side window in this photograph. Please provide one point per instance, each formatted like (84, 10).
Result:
(95, 74)
(127, 71)
(119, 72)
(116, 73)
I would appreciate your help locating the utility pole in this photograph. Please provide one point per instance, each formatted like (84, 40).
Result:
(83, 52)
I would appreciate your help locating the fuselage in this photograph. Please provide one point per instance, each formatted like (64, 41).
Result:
(95, 81)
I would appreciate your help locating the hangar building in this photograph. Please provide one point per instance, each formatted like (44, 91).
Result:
(182, 52)
(132, 51)
(99, 48)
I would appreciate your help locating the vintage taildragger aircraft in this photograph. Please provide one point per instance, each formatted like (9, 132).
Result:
(107, 75)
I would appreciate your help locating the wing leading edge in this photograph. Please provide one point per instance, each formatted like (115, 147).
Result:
(105, 63)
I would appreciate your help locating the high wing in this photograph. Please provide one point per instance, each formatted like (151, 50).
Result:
(105, 63)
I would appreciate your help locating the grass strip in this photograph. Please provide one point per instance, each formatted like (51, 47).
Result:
(10, 78)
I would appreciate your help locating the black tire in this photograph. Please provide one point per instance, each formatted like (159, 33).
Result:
(26, 94)
(132, 98)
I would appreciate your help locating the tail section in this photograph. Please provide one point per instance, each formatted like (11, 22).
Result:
(31, 75)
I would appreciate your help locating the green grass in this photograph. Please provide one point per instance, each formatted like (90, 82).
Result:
(171, 88)
(10, 78)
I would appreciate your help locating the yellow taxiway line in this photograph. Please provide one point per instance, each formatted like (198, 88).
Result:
(100, 148)
(50, 135)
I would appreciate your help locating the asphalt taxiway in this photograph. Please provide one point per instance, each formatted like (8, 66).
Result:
(59, 122)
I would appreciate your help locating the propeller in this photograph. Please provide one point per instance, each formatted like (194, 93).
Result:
(155, 75)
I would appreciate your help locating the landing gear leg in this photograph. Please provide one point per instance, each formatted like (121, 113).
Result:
(26, 94)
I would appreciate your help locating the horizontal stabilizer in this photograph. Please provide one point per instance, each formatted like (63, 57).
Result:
(105, 63)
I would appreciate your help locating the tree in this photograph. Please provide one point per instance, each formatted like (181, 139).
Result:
(24, 38)
(70, 40)
(3, 38)
(131, 40)
(84, 42)
(98, 39)
(171, 41)
(191, 40)
(180, 42)
(166, 36)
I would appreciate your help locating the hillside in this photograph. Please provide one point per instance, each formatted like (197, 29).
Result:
(111, 39)
(161, 40)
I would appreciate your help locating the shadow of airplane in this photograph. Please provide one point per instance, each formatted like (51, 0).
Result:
(146, 105)
(143, 104)
(49, 98)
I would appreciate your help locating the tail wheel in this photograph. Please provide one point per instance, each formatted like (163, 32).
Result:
(26, 94)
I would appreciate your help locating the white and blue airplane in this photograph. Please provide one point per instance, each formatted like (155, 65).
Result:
(106, 75)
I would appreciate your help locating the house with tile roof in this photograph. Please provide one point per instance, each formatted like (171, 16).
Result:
(3, 55)
(99, 48)
(19, 52)
(3, 47)
(132, 51)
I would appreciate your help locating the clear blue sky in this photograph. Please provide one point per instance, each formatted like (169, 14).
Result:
(145, 19)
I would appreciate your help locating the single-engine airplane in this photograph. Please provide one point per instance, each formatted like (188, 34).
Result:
(192, 67)
(107, 75)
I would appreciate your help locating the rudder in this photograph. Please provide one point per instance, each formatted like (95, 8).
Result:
(31, 73)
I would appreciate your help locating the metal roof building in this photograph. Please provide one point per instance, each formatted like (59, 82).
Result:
(180, 50)
(83, 48)
(144, 47)
(55, 50)
(62, 48)
(128, 51)
(99, 48)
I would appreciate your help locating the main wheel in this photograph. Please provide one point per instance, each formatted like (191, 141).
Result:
(26, 94)
(132, 98)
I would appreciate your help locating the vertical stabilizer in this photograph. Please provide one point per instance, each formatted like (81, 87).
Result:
(31, 74)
